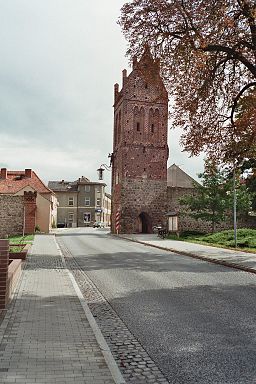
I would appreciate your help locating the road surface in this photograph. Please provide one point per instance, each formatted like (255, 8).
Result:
(196, 320)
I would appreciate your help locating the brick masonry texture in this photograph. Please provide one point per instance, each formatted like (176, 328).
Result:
(140, 151)
(188, 223)
(11, 215)
(141, 195)
(30, 211)
(4, 262)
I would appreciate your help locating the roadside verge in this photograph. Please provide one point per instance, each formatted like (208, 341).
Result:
(232, 259)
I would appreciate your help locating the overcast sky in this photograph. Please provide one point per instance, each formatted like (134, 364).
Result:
(59, 62)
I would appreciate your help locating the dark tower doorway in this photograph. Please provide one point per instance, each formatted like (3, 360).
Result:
(145, 224)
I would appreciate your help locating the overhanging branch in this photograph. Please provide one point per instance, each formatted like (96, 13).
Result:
(234, 106)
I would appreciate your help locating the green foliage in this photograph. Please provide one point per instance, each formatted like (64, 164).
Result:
(210, 200)
(213, 200)
(21, 239)
(245, 238)
(16, 240)
(37, 228)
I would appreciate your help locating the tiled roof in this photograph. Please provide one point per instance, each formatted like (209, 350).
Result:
(62, 186)
(16, 180)
(71, 186)
(176, 177)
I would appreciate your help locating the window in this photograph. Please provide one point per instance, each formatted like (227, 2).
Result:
(152, 128)
(87, 217)
(138, 127)
(98, 202)
(87, 188)
(71, 217)
(98, 189)
(71, 201)
(87, 201)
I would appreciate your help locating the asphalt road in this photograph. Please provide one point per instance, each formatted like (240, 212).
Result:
(195, 319)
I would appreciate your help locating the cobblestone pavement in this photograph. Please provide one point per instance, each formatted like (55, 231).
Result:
(134, 362)
(45, 336)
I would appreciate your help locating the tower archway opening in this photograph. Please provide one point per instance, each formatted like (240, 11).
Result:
(145, 223)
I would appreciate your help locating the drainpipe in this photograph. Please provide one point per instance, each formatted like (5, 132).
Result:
(24, 220)
(77, 206)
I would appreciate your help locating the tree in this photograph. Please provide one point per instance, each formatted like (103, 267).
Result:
(212, 200)
(208, 55)
(248, 167)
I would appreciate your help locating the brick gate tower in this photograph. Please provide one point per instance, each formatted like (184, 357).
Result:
(140, 151)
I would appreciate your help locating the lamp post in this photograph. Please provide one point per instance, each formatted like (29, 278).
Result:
(102, 167)
(234, 204)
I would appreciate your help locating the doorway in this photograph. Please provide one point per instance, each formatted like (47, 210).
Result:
(145, 224)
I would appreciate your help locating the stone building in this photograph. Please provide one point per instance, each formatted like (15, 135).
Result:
(81, 202)
(25, 203)
(140, 151)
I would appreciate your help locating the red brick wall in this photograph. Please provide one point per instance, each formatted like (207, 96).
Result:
(4, 262)
(140, 153)
(30, 211)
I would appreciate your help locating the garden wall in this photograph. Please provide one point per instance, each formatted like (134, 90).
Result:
(187, 223)
(11, 215)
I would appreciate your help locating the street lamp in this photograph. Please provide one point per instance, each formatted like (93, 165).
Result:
(102, 167)
(234, 204)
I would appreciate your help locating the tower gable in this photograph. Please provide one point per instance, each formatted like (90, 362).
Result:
(140, 149)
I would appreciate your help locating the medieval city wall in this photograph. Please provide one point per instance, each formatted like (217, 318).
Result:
(11, 215)
(187, 223)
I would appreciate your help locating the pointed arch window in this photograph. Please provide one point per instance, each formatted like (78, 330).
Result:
(142, 118)
(136, 119)
(154, 119)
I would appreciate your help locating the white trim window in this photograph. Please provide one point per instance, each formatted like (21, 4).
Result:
(87, 202)
(98, 202)
(71, 201)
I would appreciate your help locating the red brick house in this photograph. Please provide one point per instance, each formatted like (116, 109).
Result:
(39, 202)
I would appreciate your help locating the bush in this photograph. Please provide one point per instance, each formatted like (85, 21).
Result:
(246, 238)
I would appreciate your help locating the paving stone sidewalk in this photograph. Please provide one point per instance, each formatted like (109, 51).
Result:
(236, 259)
(45, 336)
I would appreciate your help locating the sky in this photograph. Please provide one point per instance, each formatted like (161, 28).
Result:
(59, 62)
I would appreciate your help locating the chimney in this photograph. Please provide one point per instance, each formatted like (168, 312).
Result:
(28, 173)
(4, 173)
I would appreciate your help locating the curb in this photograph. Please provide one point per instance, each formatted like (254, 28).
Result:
(110, 361)
(194, 256)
